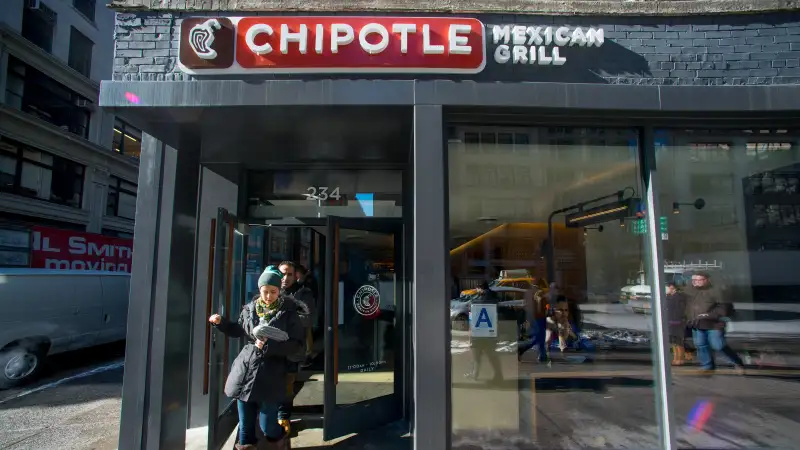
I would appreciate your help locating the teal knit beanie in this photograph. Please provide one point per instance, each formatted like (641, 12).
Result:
(270, 277)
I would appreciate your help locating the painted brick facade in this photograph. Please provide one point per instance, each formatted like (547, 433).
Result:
(750, 49)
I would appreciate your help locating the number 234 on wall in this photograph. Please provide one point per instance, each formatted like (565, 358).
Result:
(322, 193)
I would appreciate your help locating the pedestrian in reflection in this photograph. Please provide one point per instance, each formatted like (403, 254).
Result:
(536, 312)
(485, 345)
(562, 325)
(707, 313)
(676, 317)
(257, 378)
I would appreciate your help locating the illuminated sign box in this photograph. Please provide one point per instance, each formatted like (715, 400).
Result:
(603, 213)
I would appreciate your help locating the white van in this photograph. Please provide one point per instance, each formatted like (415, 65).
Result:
(43, 312)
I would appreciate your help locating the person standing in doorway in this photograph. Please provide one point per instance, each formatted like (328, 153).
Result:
(304, 298)
(707, 312)
(306, 281)
(257, 377)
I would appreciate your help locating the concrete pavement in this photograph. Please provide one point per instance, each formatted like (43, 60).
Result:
(610, 403)
(81, 414)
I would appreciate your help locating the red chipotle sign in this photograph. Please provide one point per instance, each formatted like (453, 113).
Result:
(53, 248)
(307, 44)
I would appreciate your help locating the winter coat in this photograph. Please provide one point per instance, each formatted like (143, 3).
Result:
(259, 375)
(305, 297)
(676, 316)
(705, 308)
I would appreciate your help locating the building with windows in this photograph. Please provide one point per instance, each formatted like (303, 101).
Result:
(64, 162)
(597, 150)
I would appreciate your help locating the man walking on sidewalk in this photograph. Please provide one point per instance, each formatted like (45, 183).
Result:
(706, 311)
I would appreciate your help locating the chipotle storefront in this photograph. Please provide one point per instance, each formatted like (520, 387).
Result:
(418, 156)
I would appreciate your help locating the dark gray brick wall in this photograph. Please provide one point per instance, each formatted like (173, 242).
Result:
(722, 50)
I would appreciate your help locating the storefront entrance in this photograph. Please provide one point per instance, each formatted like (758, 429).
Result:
(357, 354)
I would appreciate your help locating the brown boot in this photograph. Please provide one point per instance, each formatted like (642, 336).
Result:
(678, 355)
(286, 424)
(244, 447)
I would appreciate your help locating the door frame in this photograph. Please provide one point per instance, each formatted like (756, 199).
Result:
(372, 413)
(221, 425)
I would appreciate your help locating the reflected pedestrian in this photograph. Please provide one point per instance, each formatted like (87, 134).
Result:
(484, 345)
(676, 317)
(536, 312)
(707, 312)
(564, 326)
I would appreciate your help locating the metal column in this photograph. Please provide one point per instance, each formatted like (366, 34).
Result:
(655, 270)
(431, 333)
(155, 385)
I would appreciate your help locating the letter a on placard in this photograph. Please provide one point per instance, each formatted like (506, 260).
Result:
(483, 316)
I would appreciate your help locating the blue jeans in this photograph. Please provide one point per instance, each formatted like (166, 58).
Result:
(267, 414)
(709, 341)
(537, 333)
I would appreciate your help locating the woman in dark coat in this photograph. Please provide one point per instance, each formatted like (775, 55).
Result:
(257, 379)
(676, 317)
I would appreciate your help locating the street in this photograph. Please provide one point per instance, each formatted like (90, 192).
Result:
(75, 404)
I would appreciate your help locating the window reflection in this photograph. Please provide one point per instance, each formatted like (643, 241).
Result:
(733, 308)
(569, 364)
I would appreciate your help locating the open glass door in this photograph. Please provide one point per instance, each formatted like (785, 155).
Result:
(227, 278)
(364, 298)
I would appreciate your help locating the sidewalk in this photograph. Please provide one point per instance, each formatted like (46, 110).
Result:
(391, 437)
(612, 405)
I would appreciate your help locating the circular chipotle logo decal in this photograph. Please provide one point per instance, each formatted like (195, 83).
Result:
(367, 300)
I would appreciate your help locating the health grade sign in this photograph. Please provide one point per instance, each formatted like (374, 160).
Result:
(307, 44)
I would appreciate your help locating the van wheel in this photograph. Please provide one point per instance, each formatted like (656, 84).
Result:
(18, 365)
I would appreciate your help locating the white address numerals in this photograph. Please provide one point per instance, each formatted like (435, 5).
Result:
(315, 193)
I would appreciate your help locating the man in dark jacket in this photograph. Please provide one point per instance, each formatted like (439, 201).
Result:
(706, 311)
(302, 296)
(257, 379)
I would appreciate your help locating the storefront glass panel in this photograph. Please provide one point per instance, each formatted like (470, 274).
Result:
(514, 381)
(732, 248)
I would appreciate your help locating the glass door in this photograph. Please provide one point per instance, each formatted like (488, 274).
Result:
(364, 296)
(227, 277)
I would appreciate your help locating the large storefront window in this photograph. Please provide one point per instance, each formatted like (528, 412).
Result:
(733, 248)
(558, 358)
